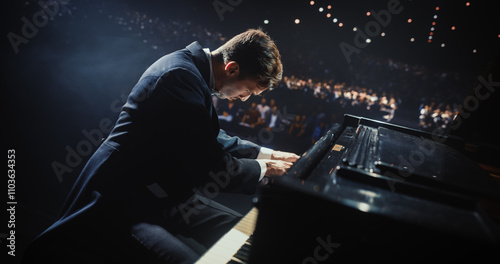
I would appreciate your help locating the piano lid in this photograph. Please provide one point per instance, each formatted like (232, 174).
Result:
(401, 173)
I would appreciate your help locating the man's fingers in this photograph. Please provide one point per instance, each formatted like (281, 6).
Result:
(293, 158)
(277, 167)
(286, 156)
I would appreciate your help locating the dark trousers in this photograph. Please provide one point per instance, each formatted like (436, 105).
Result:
(185, 231)
(175, 235)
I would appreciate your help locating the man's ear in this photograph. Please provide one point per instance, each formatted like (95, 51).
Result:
(232, 68)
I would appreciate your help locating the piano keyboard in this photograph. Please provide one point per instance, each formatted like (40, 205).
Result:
(234, 246)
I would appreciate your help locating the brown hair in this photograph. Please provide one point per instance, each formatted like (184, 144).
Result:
(257, 56)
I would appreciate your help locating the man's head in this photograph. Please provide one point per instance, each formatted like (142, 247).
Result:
(274, 110)
(247, 64)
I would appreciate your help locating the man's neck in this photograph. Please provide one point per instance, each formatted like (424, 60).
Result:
(218, 71)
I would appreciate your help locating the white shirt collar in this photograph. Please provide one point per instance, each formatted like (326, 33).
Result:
(212, 81)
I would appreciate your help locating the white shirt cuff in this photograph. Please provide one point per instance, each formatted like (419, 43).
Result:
(265, 153)
(263, 168)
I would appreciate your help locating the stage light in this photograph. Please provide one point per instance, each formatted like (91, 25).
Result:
(409, 20)
(368, 13)
(437, 8)
(435, 16)
(341, 24)
(329, 7)
(432, 33)
(382, 34)
(266, 21)
(433, 23)
(335, 20)
(368, 40)
(297, 21)
(467, 4)
(312, 2)
(328, 15)
(442, 45)
(430, 37)
(354, 29)
(432, 28)
(430, 40)
(474, 51)
(412, 39)
(321, 9)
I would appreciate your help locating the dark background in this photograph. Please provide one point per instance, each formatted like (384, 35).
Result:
(74, 73)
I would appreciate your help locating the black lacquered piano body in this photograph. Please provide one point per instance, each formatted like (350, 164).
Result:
(372, 192)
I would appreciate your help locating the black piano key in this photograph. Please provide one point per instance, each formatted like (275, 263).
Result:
(243, 253)
(234, 261)
(250, 239)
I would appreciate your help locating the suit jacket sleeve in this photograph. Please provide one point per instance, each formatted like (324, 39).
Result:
(184, 103)
(238, 147)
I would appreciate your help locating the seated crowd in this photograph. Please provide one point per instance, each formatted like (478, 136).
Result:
(300, 112)
(434, 116)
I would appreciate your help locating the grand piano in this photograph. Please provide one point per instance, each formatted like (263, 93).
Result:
(374, 192)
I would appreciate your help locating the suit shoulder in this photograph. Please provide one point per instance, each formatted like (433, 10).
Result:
(178, 61)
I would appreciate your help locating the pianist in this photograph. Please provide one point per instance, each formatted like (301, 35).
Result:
(139, 198)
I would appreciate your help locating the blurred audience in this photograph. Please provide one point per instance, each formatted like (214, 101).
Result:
(252, 116)
(263, 109)
(228, 110)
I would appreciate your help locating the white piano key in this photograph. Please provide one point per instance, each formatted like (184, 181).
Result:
(224, 249)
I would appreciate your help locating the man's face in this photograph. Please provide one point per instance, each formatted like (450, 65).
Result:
(232, 87)
(235, 88)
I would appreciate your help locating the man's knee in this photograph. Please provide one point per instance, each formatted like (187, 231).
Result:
(160, 246)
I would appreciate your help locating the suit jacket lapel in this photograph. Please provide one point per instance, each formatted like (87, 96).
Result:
(202, 64)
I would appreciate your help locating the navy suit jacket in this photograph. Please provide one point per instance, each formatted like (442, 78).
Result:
(166, 144)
